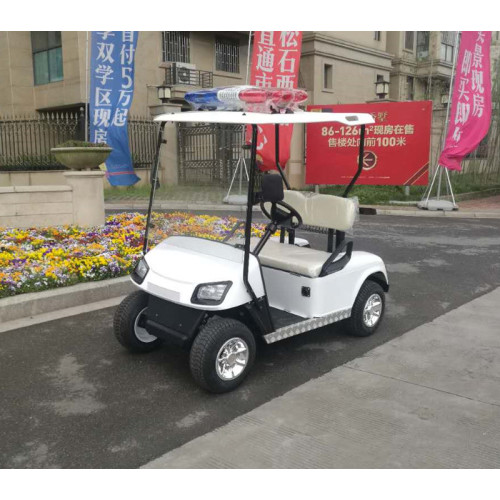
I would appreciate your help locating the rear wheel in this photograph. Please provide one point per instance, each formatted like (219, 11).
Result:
(128, 324)
(222, 355)
(368, 310)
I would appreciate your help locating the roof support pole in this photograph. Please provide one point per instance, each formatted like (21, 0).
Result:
(250, 201)
(277, 153)
(360, 161)
(154, 183)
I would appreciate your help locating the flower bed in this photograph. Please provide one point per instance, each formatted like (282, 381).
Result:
(32, 260)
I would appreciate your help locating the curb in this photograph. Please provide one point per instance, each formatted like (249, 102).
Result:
(33, 304)
(436, 213)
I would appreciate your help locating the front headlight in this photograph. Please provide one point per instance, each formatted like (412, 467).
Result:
(140, 271)
(211, 293)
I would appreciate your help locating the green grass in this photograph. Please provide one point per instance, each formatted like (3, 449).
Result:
(376, 195)
(380, 195)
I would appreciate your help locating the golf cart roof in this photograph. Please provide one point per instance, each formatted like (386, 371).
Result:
(248, 118)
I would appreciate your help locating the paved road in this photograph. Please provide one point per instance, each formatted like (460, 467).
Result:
(73, 398)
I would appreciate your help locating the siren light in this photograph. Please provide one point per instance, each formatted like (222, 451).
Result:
(247, 98)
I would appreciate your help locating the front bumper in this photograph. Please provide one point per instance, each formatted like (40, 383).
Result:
(173, 322)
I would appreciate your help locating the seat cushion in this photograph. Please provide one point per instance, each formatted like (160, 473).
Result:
(300, 260)
(323, 210)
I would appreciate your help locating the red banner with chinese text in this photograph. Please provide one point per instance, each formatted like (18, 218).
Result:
(275, 63)
(397, 145)
(471, 101)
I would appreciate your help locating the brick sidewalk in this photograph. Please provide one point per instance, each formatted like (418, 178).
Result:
(427, 399)
(491, 203)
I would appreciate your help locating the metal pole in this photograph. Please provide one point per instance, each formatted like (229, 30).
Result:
(439, 183)
(427, 193)
(443, 140)
(449, 183)
(360, 161)
(248, 55)
(248, 222)
(154, 183)
(87, 89)
(277, 153)
(234, 176)
(243, 132)
(455, 57)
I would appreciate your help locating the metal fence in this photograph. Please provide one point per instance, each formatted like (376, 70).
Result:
(25, 142)
(142, 134)
(209, 153)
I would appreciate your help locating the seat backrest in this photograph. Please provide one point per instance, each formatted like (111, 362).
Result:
(323, 210)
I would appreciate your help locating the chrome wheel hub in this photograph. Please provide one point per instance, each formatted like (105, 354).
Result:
(140, 332)
(232, 359)
(372, 310)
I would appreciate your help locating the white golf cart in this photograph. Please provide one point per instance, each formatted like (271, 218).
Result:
(219, 298)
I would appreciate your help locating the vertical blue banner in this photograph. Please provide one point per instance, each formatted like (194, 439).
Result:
(111, 93)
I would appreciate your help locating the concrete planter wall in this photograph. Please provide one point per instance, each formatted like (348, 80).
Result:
(79, 158)
(80, 201)
(31, 206)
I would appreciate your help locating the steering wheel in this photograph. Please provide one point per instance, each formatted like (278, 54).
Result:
(281, 217)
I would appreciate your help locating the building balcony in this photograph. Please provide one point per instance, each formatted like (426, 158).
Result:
(436, 68)
(179, 74)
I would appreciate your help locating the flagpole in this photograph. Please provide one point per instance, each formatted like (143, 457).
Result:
(455, 59)
(241, 164)
(248, 56)
(87, 88)
(439, 168)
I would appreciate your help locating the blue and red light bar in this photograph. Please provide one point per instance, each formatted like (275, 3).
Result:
(248, 98)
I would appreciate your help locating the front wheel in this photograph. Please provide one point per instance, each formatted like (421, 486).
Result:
(222, 355)
(128, 324)
(367, 310)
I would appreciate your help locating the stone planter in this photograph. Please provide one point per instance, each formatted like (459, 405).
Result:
(80, 158)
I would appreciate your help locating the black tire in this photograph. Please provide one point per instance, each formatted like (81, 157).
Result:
(356, 324)
(206, 347)
(124, 324)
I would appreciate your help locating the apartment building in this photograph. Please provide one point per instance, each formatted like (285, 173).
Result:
(47, 71)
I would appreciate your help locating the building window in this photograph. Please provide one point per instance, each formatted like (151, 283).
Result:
(410, 88)
(47, 56)
(423, 44)
(447, 45)
(377, 36)
(328, 76)
(175, 46)
(227, 55)
(409, 40)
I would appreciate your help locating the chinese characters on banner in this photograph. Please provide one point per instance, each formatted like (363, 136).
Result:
(471, 102)
(111, 93)
(397, 145)
(275, 63)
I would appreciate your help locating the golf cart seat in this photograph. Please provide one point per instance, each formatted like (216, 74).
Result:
(300, 260)
(322, 210)
(318, 210)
